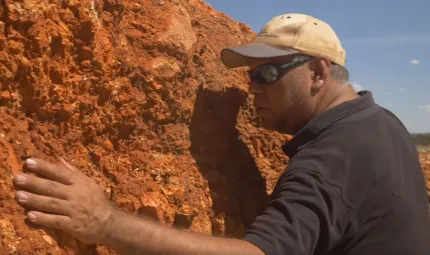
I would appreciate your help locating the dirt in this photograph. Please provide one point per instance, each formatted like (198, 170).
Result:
(133, 93)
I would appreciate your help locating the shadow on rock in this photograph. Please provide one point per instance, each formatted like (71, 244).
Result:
(237, 188)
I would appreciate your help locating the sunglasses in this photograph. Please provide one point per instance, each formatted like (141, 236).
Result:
(270, 73)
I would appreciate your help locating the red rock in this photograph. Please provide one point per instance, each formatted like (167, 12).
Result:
(5, 96)
(86, 53)
(15, 47)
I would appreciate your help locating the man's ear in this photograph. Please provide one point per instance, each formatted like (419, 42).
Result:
(321, 72)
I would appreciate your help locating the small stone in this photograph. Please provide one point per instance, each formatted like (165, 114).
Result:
(165, 68)
(15, 47)
(85, 65)
(150, 207)
(166, 192)
(109, 144)
(137, 7)
(86, 53)
(157, 2)
(48, 239)
(108, 190)
(183, 220)
(157, 86)
(5, 96)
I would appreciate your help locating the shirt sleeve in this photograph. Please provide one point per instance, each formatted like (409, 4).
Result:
(305, 214)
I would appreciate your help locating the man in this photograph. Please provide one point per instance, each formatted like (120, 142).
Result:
(354, 184)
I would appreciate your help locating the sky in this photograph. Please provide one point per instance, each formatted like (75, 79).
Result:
(387, 45)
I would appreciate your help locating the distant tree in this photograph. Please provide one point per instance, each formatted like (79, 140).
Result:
(421, 139)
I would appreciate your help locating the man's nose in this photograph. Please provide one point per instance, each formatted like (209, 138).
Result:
(254, 88)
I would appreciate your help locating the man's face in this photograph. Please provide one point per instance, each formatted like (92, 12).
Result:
(285, 104)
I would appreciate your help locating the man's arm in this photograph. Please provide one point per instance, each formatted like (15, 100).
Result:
(70, 201)
(128, 234)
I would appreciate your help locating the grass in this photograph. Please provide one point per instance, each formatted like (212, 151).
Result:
(423, 148)
(422, 141)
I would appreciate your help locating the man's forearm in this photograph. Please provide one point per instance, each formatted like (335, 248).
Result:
(130, 235)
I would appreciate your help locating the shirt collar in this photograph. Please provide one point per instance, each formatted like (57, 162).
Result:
(314, 127)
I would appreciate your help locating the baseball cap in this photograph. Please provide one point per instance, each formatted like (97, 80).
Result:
(286, 34)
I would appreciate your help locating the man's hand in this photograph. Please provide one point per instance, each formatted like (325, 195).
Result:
(70, 201)
(66, 200)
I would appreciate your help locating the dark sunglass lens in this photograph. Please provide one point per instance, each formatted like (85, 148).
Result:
(269, 73)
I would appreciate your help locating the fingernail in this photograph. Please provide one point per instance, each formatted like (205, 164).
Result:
(22, 196)
(20, 178)
(31, 162)
(32, 216)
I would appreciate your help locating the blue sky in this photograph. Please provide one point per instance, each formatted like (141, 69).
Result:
(387, 44)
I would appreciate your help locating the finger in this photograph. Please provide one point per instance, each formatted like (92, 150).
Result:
(42, 203)
(42, 186)
(51, 171)
(60, 222)
(67, 165)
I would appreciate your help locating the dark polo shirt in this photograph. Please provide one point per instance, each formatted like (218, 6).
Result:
(354, 185)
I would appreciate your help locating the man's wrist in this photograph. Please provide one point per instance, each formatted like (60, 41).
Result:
(124, 232)
(108, 223)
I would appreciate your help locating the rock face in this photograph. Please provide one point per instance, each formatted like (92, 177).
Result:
(134, 94)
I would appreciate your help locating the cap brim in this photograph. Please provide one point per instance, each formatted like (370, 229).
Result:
(239, 56)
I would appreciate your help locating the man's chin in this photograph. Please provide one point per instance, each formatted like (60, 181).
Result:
(269, 125)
